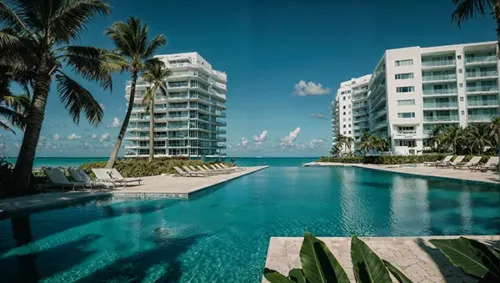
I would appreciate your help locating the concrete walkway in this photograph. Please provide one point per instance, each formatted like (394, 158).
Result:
(152, 187)
(415, 256)
(421, 170)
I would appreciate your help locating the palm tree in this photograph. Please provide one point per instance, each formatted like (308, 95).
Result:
(134, 48)
(452, 137)
(479, 137)
(435, 137)
(494, 131)
(468, 9)
(35, 40)
(156, 75)
(366, 143)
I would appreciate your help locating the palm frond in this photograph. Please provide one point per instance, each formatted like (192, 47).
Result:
(6, 127)
(77, 99)
(467, 9)
(155, 43)
(123, 37)
(10, 17)
(148, 98)
(71, 16)
(20, 103)
(16, 119)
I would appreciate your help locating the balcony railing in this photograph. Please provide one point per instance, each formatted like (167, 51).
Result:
(439, 77)
(480, 59)
(379, 124)
(221, 132)
(489, 102)
(441, 105)
(440, 91)
(440, 118)
(482, 88)
(480, 117)
(436, 63)
(221, 139)
(481, 74)
(221, 123)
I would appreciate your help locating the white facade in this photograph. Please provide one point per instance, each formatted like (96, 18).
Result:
(189, 122)
(414, 89)
(345, 120)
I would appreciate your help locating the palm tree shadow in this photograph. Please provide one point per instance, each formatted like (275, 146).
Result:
(164, 259)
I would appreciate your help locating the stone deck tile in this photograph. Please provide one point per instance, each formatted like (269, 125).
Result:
(415, 256)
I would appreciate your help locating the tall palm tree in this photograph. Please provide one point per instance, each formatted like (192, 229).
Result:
(366, 143)
(156, 75)
(494, 131)
(435, 136)
(468, 9)
(452, 137)
(35, 39)
(478, 137)
(134, 48)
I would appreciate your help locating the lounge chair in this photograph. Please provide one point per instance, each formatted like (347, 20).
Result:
(457, 161)
(113, 176)
(491, 164)
(445, 160)
(218, 165)
(468, 165)
(219, 169)
(236, 168)
(183, 173)
(102, 175)
(187, 169)
(57, 178)
(80, 176)
(206, 169)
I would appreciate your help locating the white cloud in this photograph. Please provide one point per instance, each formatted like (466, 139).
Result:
(304, 89)
(292, 136)
(316, 143)
(243, 142)
(74, 137)
(94, 136)
(260, 138)
(103, 106)
(116, 123)
(56, 137)
(317, 115)
(42, 138)
(104, 137)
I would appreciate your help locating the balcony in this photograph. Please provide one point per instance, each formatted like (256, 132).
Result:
(438, 105)
(482, 89)
(138, 138)
(481, 60)
(221, 139)
(439, 119)
(379, 125)
(481, 75)
(482, 103)
(440, 92)
(439, 78)
(221, 123)
(438, 64)
(379, 114)
(479, 118)
(221, 132)
(359, 105)
(178, 117)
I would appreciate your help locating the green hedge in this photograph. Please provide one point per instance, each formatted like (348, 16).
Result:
(394, 159)
(141, 167)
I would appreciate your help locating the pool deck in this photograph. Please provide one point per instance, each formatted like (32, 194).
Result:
(415, 256)
(151, 187)
(419, 169)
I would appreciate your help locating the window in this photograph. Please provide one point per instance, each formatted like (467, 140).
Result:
(349, 132)
(403, 76)
(407, 62)
(460, 71)
(344, 132)
(349, 106)
(344, 97)
(462, 112)
(459, 56)
(461, 98)
(343, 126)
(343, 114)
(406, 102)
(402, 89)
(344, 107)
(406, 115)
(349, 126)
(460, 85)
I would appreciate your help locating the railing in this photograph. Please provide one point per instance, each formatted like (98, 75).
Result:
(478, 59)
(439, 77)
(178, 117)
(480, 117)
(221, 139)
(221, 132)
(482, 88)
(380, 124)
(222, 123)
(481, 74)
(489, 102)
(438, 63)
(439, 91)
(440, 118)
(441, 105)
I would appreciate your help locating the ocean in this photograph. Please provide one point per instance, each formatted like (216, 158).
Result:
(241, 161)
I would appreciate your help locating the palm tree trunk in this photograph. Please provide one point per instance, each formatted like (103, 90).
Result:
(152, 127)
(24, 164)
(123, 130)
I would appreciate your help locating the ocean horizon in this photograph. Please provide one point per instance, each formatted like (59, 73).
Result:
(241, 161)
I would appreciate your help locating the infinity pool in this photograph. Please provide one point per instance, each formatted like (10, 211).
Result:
(222, 234)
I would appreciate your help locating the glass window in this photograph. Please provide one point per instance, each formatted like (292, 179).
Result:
(405, 102)
(460, 71)
(406, 115)
(460, 85)
(407, 62)
(461, 98)
(403, 89)
(459, 56)
(403, 76)
(462, 112)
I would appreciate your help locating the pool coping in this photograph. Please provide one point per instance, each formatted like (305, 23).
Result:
(415, 256)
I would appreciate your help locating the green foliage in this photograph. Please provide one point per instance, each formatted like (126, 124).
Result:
(141, 167)
(473, 257)
(320, 266)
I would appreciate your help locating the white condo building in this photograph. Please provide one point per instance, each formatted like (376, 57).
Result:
(189, 122)
(414, 89)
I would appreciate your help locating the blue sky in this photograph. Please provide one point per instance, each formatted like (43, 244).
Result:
(266, 48)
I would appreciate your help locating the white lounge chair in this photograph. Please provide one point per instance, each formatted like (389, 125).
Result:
(201, 169)
(57, 178)
(187, 169)
(491, 164)
(102, 175)
(115, 175)
(474, 161)
(183, 173)
(236, 168)
(80, 176)
(445, 160)
(457, 161)
(220, 169)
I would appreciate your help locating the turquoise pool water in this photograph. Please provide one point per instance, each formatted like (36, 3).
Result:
(222, 234)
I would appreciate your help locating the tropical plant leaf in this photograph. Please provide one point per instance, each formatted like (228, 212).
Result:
(368, 267)
(490, 257)
(461, 254)
(318, 263)
(397, 273)
(297, 276)
(274, 276)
